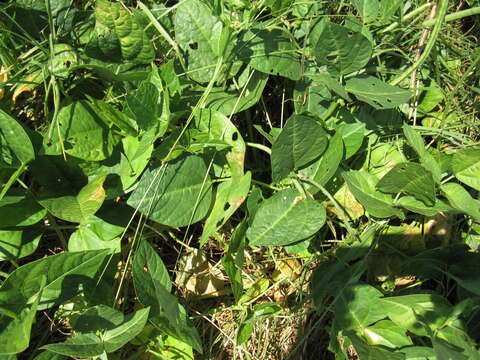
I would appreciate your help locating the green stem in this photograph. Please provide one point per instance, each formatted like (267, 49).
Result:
(162, 32)
(407, 17)
(339, 207)
(268, 186)
(442, 10)
(455, 16)
(12, 179)
(59, 233)
(299, 187)
(260, 147)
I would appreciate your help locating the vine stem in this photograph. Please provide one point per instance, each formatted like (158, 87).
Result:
(335, 203)
(442, 10)
(455, 16)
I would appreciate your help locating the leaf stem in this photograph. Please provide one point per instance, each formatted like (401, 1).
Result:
(335, 203)
(455, 16)
(407, 17)
(12, 179)
(442, 10)
(259, 147)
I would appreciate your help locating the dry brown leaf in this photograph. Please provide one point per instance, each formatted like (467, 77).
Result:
(198, 277)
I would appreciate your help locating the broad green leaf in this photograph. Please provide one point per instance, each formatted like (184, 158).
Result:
(47, 355)
(409, 178)
(358, 306)
(235, 99)
(431, 97)
(353, 136)
(20, 209)
(160, 188)
(16, 138)
(427, 159)
(454, 342)
(229, 196)
(16, 244)
(418, 353)
(77, 208)
(114, 116)
(311, 97)
(340, 49)
(174, 349)
(15, 334)
(322, 170)
(387, 333)
(417, 206)
(363, 187)
(198, 33)
(372, 352)
(108, 340)
(466, 167)
(403, 311)
(271, 52)
(233, 259)
(377, 93)
(301, 141)
(388, 8)
(285, 218)
(461, 200)
(83, 133)
(118, 36)
(144, 105)
(85, 238)
(220, 128)
(65, 274)
(334, 275)
(368, 9)
(172, 318)
(148, 269)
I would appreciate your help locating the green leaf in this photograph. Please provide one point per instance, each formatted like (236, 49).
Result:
(234, 99)
(387, 333)
(18, 244)
(148, 269)
(77, 208)
(368, 9)
(322, 170)
(285, 218)
(230, 195)
(417, 206)
(403, 311)
(357, 306)
(427, 159)
(371, 352)
(340, 49)
(114, 116)
(388, 8)
(233, 259)
(271, 52)
(220, 128)
(466, 167)
(301, 141)
(363, 187)
(119, 37)
(198, 33)
(65, 274)
(20, 209)
(418, 353)
(461, 200)
(412, 179)
(111, 338)
(16, 138)
(143, 103)
(160, 188)
(15, 334)
(353, 136)
(83, 133)
(377, 93)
